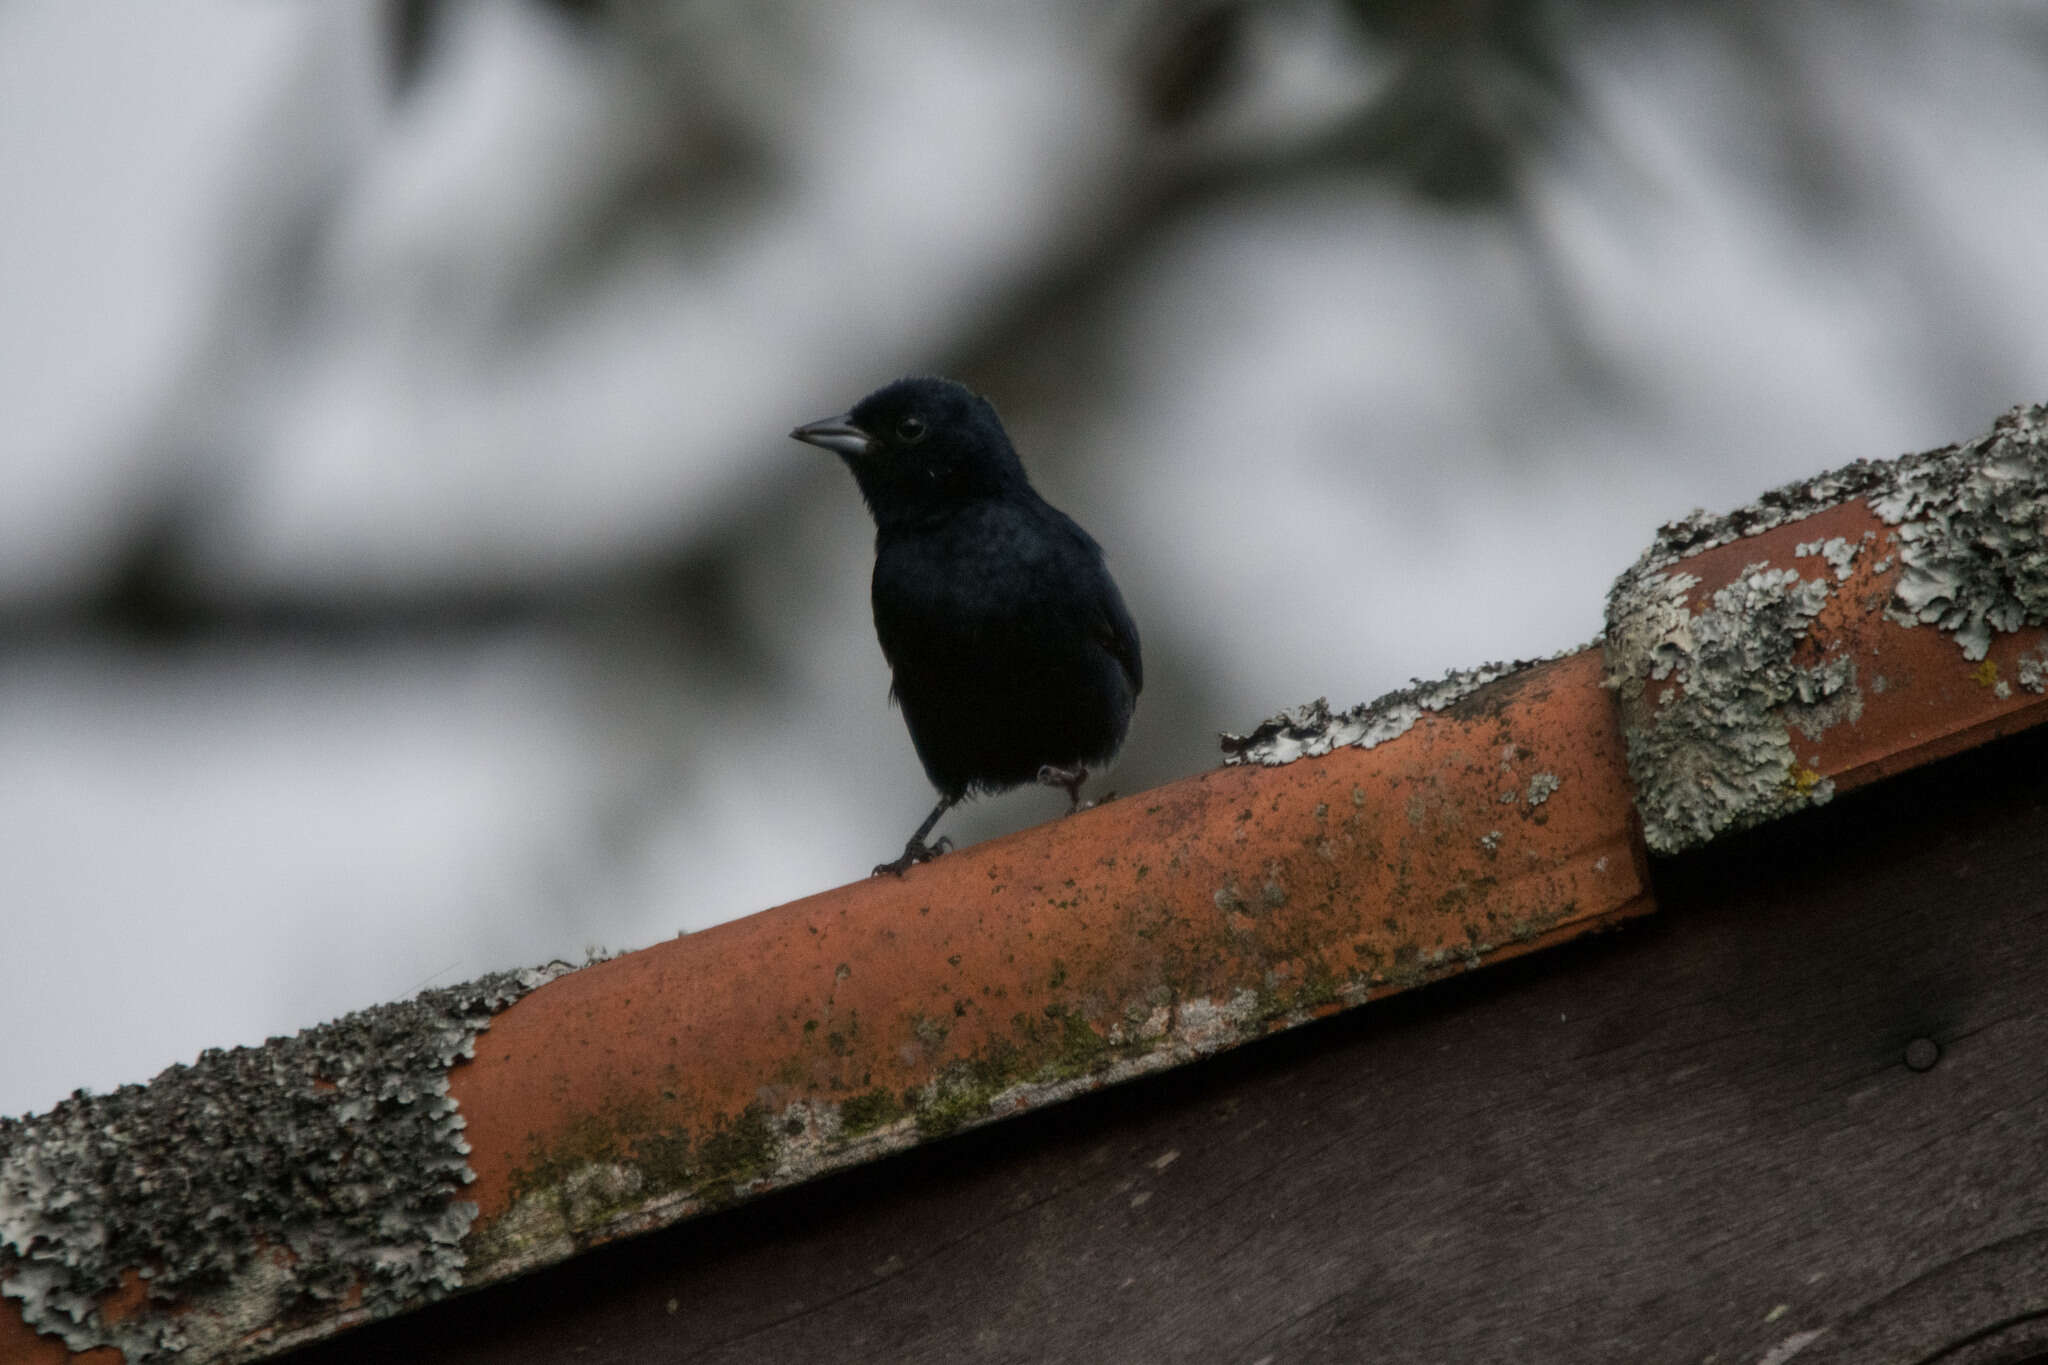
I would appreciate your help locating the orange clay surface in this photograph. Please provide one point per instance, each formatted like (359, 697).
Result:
(1062, 949)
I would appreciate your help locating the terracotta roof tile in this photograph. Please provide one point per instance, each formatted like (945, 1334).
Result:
(1754, 664)
(1012, 974)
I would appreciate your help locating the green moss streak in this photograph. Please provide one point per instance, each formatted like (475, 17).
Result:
(868, 1111)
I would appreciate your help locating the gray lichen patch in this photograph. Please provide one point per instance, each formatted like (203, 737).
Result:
(1711, 697)
(1713, 753)
(1312, 730)
(1972, 525)
(1972, 519)
(1699, 531)
(255, 1189)
(2033, 670)
(1973, 533)
(1838, 551)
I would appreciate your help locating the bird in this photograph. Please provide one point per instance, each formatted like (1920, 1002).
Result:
(1011, 653)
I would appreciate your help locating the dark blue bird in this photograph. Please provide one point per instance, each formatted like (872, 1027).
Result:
(1013, 655)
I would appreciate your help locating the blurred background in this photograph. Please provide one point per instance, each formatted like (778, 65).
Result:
(404, 570)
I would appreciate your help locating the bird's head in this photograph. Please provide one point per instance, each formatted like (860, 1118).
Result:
(919, 445)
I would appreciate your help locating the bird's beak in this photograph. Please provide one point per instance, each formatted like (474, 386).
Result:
(838, 435)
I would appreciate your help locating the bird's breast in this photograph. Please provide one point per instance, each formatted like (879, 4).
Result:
(957, 584)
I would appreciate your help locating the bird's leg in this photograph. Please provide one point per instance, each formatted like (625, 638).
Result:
(1068, 779)
(917, 850)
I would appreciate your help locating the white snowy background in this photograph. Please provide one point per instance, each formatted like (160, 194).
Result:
(405, 572)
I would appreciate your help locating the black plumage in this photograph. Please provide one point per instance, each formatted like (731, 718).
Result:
(1013, 655)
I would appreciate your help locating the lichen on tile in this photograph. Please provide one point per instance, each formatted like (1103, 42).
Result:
(1838, 551)
(1700, 531)
(1973, 533)
(1713, 754)
(1711, 749)
(256, 1188)
(1972, 520)
(1312, 730)
(2033, 670)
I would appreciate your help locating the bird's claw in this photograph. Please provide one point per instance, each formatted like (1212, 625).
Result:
(1068, 780)
(914, 852)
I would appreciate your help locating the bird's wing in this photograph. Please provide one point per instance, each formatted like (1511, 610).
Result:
(1110, 624)
(1118, 633)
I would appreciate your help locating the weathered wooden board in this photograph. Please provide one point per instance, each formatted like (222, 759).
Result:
(1694, 1139)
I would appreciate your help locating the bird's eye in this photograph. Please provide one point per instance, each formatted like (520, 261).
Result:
(911, 429)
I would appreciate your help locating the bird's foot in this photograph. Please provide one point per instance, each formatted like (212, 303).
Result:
(915, 852)
(1068, 780)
